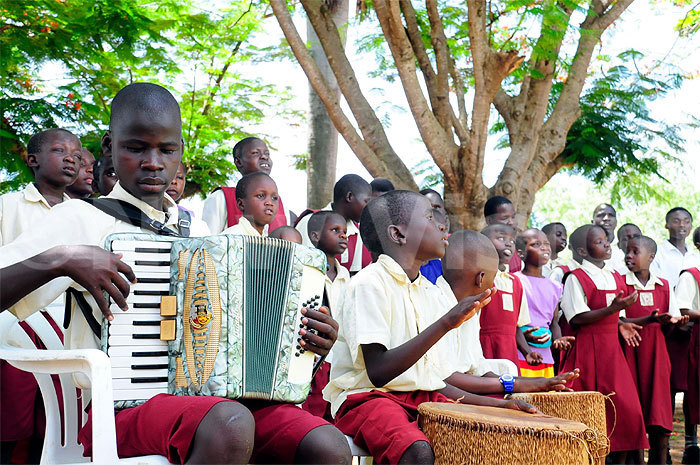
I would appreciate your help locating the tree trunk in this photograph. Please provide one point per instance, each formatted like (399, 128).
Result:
(323, 136)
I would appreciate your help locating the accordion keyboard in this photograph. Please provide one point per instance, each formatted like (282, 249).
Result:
(136, 349)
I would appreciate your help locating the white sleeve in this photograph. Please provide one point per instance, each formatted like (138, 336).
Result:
(557, 274)
(686, 292)
(573, 300)
(214, 212)
(673, 308)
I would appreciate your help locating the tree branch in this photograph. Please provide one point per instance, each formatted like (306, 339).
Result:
(458, 83)
(327, 96)
(416, 39)
(442, 60)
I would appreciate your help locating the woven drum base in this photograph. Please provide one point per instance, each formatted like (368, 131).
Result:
(467, 434)
(587, 407)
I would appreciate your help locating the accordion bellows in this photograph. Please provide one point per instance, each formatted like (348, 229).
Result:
(238, 316)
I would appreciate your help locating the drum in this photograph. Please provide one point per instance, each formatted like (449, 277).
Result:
(587, 407)
(469, 434)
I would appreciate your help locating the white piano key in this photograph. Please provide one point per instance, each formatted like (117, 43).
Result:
(126, 351)
(137, 394)
(162, 271)
(130, 246)
(131, 257)
(150, 287)
(124, 373)
(127, 362)
(116, 311)
(125, 330)
(125, 383)
(120, 340)
(129, 317)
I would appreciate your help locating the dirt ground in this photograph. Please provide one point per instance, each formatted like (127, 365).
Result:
(677, 440)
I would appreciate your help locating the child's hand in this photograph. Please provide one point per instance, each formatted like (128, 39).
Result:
(621, 303)
(326, 333)
(533, 358)
(520, 405)
(98, 271)
(662, 318)
(629, 333)
(541, 384)
(679, 320)
(535, 339)
(467, 308)
(563, 343)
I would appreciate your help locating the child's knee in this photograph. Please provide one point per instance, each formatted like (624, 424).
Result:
(420, 452)
(324, 444)
(232, 421)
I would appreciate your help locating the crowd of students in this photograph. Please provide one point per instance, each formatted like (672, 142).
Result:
(413, 313)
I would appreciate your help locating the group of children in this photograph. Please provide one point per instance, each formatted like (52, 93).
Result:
(412, 313)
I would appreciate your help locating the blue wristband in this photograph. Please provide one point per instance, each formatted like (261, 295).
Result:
(507, 381)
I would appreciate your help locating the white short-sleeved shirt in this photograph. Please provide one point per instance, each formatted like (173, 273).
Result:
(382, 306)
(245, 228)
(215, 213)
(465, 342)
(20, 211)
(303, 228)
(669, 262)
(75, 222)
(336, 289)
(632, 280)
(574, 300)
(687, 292)
(557, 273)
(504, 282)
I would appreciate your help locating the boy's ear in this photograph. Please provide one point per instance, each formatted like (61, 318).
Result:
(582, 251)
(236, 161)
(315, 237)
(32, 160)
(396, 235)
(479, 279)
(349, 197)
(651, 256)
(240, 204)
(107, 144)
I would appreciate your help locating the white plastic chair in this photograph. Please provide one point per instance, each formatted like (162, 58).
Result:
(18, 350)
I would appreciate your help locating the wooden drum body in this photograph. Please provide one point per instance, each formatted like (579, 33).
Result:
(468, 434)
(587, 407)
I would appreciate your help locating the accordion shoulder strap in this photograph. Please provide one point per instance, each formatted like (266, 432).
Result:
(84, 308)
(128, 213)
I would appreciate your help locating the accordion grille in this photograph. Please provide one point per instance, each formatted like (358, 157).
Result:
(266, 281)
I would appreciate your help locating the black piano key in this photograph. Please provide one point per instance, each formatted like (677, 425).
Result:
(150, 250)
(146, 323)
(159, 353)
(146, 305)
(152, 263)
(145, 336)
(149, 380)
(152, 280)
(151, 293)
(162, 366)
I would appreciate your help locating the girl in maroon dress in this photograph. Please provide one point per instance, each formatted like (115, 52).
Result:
(649, 362)
(592, 300)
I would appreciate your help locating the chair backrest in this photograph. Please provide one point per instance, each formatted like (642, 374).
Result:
(64, 415)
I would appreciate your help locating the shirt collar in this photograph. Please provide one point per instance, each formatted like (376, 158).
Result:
(32, 194)
(168, 217)
(672, 248)
(632, 280)
(591, 268)
(395, 270)
(250, 230)
(342, 274)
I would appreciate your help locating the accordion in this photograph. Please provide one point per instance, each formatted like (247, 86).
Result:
(215, 316)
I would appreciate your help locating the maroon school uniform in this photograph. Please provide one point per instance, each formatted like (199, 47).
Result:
(233, 214)
(649, 363)
(499, 322)
(597, 353)
(693, 373)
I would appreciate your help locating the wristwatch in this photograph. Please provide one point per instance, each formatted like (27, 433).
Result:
(507, 381)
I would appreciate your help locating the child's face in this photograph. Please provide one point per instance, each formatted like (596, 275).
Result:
(679, 225)
(505, 245)
(597, 245)
(334, 236)
(146, 151)
(83, 184)
(625, 234)
(255, 157)
(177, 187)
(505, 214)
(605, 217)
(107, 176)
(428, 230)
(557, 238)
(637, 257)
(358, 202)
(537, 249)
(262, 202)
(58, 161)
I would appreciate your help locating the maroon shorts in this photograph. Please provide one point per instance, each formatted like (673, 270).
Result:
(163, 425)
(315, 403)
(279, 428)
(384, 423)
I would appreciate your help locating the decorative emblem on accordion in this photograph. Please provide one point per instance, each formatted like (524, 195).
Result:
(225, 312)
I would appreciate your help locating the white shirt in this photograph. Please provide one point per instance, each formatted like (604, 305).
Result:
(617, 260)
(574, 300)
(504, 283)
(687, 293)
(382, 306)
(632, 280)
(466, 345)
(336, 289)
(303, 228)
(557, 273)
(669, 262)
(215, 214)
(20, 211)
(75, 222)
(246, 228)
